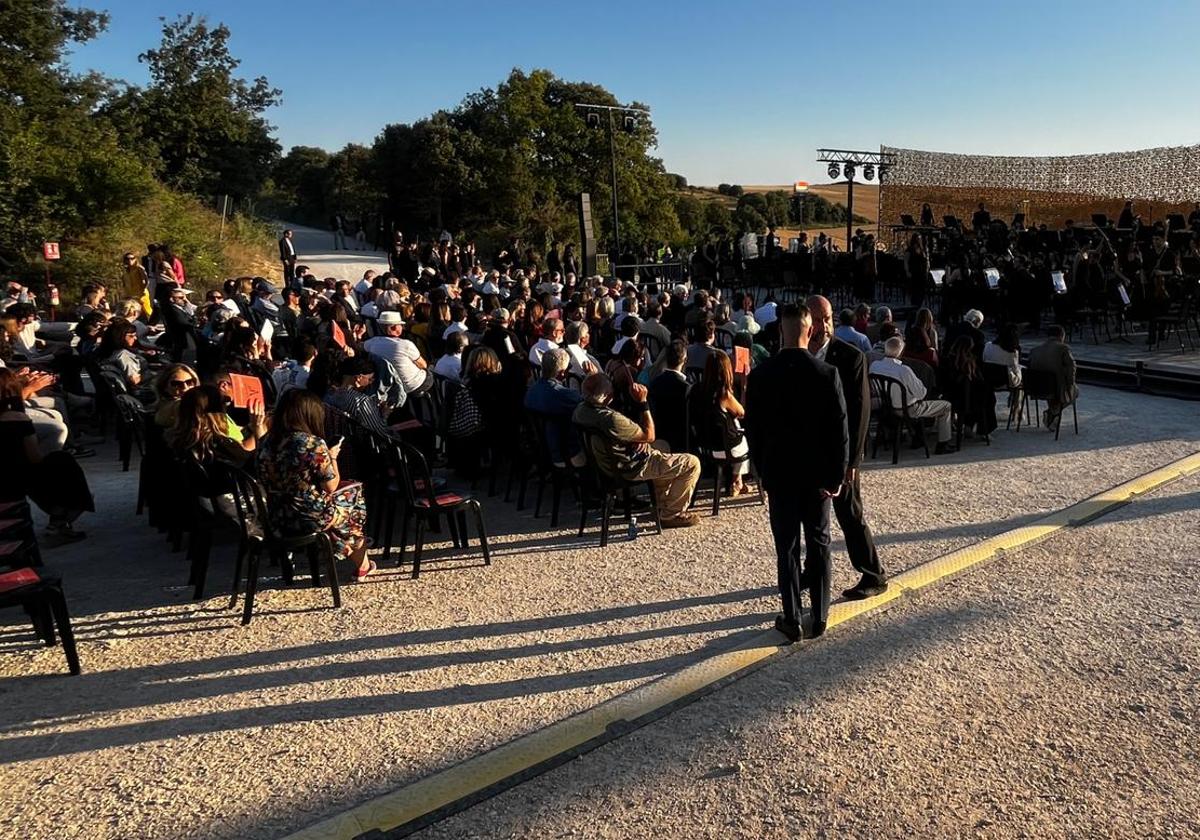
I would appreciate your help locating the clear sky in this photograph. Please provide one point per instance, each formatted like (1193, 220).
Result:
(742, 94)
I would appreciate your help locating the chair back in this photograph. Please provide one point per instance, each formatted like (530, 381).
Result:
(723, 340)
(1040, 384)
(602, 480)
(427, 407)
(996, 376)
(574, 381)
(548, 455)
(890, 393)
(412, 474)
(250, 503)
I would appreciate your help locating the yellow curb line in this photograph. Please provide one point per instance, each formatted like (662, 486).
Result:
(472, 777)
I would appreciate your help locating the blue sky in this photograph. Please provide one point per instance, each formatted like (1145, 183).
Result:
(739, 94)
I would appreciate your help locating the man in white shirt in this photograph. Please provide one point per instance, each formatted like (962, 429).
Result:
(458, 321)
(364, 286)
(578, 336)
(450, 365)
(891, 367)
(765, 314)
(552, 336)
(402, 353)
(294, 374)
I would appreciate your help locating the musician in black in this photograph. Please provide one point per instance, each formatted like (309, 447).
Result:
(926, 216)
(981, 219)
(1162, 270)
(1126, 218)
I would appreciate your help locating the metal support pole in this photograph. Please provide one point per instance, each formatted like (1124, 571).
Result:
(849, 210)
(612, 151)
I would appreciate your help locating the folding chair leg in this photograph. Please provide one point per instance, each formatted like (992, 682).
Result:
(717, 476)
(404, 517)
(420, 543)
(483, 541)
(604, 511)
(556, 502)
(199, 551)
(1075, 416)
(583, 511)
(237, 573)
(537, 502)
(335, 589)
(461, 516)
(62, 617)
(389, 522)
(251, 585)
(314, 567)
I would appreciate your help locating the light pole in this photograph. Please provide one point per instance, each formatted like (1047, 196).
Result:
(628, 123)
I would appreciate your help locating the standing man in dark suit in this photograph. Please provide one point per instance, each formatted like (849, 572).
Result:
(796, 428)
(851, 366)
(669, 398)
(287, 256)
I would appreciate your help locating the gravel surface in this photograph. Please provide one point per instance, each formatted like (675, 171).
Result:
(185, 724)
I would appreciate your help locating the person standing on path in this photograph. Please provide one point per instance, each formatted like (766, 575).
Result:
(851, 366)
(287, 256)
(339, 231)
(796, 426)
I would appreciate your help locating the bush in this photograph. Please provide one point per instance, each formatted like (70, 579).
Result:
(192, 230)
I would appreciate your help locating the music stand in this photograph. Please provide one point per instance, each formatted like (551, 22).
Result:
(1100, 220)
(1176, 221)
(951, 222)
(907, 220)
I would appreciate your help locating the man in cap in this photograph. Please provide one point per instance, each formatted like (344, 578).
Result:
(401, 353)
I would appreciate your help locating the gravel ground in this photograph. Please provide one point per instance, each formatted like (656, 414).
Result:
(1049, 695)
(185, 724)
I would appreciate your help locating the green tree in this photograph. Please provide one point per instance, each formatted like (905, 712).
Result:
(690, 211)
(62, 167)
(717, 215)
(201, 124)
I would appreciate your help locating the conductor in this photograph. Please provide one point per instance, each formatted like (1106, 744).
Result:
(796, 427)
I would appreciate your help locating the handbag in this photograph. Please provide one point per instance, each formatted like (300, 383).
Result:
(465, 417)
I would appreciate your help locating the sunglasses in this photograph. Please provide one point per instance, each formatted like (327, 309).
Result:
(182, 384)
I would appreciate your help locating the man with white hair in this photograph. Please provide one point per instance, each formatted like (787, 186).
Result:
(557, 403)
(919, 408)
(969, 326)
(552, 336)
(578, 337)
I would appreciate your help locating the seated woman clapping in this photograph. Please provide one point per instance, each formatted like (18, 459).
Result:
(53, 481)
(300, 475)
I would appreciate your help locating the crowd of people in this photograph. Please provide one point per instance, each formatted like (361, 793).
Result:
(646, 384)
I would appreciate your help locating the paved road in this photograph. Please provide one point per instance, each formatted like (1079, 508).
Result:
(314, 249)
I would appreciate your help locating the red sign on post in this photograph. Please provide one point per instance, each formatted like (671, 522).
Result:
(50, 251)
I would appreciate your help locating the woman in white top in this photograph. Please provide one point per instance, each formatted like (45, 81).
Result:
(1006, 350)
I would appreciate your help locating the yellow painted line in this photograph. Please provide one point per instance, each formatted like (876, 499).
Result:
(474, 776)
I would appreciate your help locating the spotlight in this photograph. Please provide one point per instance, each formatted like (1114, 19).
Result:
(629, 124)
(593, 119)
(833, 171)
(848, 171)
(868, 172)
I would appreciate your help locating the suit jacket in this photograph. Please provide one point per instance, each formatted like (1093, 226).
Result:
(668, 398)
(851, 366)
(796, 423)
(284, 254)
(1055, 357)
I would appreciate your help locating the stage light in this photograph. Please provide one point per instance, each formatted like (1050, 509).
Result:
(834, 172)
(593, 119)
(848, 171)
(868, 172)
(629, 124)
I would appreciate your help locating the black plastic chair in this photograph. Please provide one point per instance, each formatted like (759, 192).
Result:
(258, 535)
(42, 598)
(607, 488)
(426, 504)
(554, 465)
(892, 415)
(18, 540)
(1041, 385)
(997, 377)
(709, 432)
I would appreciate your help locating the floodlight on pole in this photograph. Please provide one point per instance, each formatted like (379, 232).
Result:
(629, 117)
(871, 163)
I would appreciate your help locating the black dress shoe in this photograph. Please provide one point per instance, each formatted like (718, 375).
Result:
(790, 629)
(863, 590)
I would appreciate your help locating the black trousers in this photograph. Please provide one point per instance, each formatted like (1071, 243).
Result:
(793, 513)
(860, 545)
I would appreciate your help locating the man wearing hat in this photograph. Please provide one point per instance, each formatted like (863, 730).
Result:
(401, 353)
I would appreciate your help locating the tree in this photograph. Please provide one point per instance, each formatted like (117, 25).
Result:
(736, 190)
(690, 212)
(677, 181)
(716, 215)
(201, 124)
(62, 167)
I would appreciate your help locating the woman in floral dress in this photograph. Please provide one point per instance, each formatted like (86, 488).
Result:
(305, 493)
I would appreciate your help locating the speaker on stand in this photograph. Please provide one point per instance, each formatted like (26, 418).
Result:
(587, 237)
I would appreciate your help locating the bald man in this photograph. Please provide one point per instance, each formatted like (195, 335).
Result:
(796, 428)
(851, 366)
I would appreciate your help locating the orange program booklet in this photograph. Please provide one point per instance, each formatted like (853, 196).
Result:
(245, 389)
(741, 360)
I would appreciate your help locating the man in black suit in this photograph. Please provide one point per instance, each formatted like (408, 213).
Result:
(287, 256)
(796, 428)
(851, 366)
(669, 398)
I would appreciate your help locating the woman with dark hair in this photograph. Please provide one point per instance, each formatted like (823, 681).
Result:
(718, 417)
(118, 352)
(921, 339)
(53, 481)
(917, 263)
(304, 488)
(1006, 350)
(963, 384)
